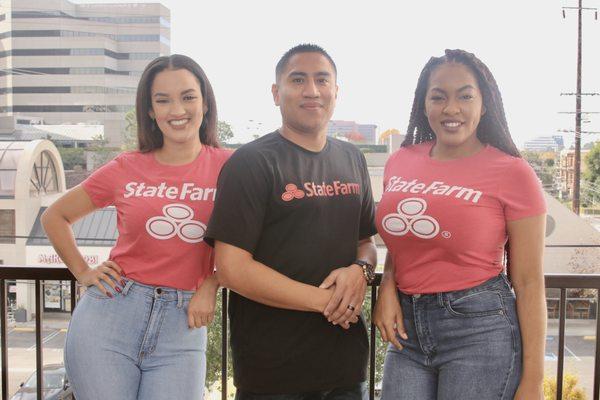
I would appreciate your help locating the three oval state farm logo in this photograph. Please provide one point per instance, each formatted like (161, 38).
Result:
(292, 192)
(177, 219)
(411, 218)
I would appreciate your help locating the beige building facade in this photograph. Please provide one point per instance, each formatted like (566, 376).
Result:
(31, 178)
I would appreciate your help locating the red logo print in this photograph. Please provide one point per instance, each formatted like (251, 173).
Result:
(292, 192)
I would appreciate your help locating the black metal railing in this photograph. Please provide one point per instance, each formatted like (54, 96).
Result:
(574, 281)
(40, 274)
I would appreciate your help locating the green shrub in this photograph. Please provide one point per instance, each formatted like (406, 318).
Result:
(570, 389)
(72, 157)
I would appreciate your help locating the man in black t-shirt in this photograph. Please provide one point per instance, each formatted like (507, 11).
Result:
(292, 227)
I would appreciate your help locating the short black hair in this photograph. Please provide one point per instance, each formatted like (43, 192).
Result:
(301, 48)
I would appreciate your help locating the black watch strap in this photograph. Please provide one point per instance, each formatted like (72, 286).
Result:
(368, 270)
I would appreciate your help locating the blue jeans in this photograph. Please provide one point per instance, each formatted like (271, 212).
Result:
(357, 392)
(463, 345)
(136, 345)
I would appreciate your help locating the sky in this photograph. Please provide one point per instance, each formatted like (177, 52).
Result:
(380, 48)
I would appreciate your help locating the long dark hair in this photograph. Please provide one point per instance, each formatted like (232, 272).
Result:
(149, 135)
(492, 128)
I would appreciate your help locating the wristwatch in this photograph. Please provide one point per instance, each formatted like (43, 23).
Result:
(368, 270)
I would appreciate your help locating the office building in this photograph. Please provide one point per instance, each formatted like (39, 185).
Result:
(545, 143)
(69, 63)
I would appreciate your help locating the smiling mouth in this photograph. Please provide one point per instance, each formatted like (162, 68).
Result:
(451, 124)
(179, 122)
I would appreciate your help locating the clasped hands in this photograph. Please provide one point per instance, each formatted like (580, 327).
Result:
(348, 286)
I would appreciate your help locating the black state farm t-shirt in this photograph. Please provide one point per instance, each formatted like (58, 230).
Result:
(302, 214)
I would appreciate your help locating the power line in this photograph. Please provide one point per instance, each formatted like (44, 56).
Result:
(578, 132)
(581, 94)
(583, 112)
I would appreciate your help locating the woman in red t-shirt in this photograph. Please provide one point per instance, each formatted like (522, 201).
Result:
(455, 194)
(132, 334)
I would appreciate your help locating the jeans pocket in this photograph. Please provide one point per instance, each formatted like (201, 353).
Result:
(478, 304)
(94, 292)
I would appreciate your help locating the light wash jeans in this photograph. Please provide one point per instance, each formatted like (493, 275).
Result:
(136, 345)
(463, 345)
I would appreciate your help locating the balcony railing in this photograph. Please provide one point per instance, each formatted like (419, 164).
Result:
(40, 274)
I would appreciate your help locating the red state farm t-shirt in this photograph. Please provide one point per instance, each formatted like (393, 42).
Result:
(444, 222)
(162, 212)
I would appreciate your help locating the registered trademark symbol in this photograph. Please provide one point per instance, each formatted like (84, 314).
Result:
(446, 234)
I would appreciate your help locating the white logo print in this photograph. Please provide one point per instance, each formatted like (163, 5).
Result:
(410, 218)
(177, 220)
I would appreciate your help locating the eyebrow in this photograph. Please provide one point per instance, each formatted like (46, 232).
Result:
(304, 74)
(159, 94)
(459, 90)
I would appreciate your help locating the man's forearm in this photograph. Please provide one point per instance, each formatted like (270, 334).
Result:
(258, 282)
(367, 251)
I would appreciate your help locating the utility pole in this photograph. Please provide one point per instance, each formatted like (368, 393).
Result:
(577, 161)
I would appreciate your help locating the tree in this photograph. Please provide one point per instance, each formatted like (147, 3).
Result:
(592, 162)
(380, 345)
(355, 137)
(129, 135)
(101, 151)
(72, 156)
(544, 168)
(386, 134)
(213, 347)
(570, 389)
(224, 131)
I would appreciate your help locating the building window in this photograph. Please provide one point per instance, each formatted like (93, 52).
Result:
(88, 52)
(7, 226)
(44, 179)
(63, 33)
(78, 52)
(143, 56)
(73, 109)
(41, 89)
(113, 20)
(37, 14)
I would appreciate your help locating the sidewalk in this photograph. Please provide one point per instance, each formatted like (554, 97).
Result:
(574, 327)
(50, 320)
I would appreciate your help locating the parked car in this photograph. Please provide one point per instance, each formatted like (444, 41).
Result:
(56, 385)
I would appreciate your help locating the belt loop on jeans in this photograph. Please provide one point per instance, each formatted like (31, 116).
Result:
(127, 286)
(440, 299)
(505, 278)
(179, 298)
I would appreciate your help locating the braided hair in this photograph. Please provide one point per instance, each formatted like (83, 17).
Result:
(492, 128)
